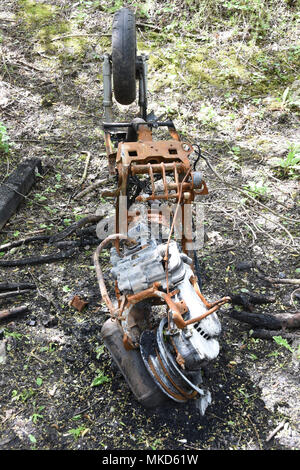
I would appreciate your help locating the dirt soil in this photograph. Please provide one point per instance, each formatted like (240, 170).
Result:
(51, 106)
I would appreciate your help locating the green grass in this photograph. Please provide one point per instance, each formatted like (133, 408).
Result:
(5, 143)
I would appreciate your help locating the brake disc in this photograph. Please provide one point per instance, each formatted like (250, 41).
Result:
(162, 366)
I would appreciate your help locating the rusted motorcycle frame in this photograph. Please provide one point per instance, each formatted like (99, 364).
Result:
(167, 161)
(169, 157)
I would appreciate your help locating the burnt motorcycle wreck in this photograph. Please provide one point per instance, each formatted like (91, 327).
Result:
(161, 330)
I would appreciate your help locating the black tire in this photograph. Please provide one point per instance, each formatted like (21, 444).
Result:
(124, 56)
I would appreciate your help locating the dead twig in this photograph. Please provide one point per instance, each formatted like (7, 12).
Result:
(148, 25)
(276, 321)
(4, 314)
(6, 295)
(90, 188)
(261, 333)
(247, 265)
(248, 300)
(72, 228)
(23, 62)
(87, 162)
(293, 294)
(67, 36)
(23, 241)
(246, 193)
(88, 407)
(38, 259)
(10, 286)
(46, 296)
(276, 430)
(38, 358)
(273, 280)
(256, 432)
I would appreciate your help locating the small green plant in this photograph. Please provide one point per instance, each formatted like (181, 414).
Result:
(156, 444)
(78, 432)
(289, 166)
(100, 379)
(4, 139)
(253, 356)
(39, 381)
(244, 394)
(66, 288)
(99, 351)
(50, 348)
(40, 197)
(12, 334)
(76, 417)
(23, 396)
(36, 415)
(256, 190)
(282, 342)
(32, 439)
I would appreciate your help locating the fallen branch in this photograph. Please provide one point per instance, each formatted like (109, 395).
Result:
(269, 334)
(289, 320)
(72, 228)
(158, 28)
(273, 280)
(256, 319)
(67, 36)
(248, 265)
(6, 295)
(24, 241)
(248, 300)
(88, 158)
(16, 187)
(10, 286)
(92, 187)
(4, 314)
(267, 321)
(33, 67)
(38, 259)
(40, 238)
(77, 243)
(148, 25)
(245, 265)
(246, 193)
(276, 430)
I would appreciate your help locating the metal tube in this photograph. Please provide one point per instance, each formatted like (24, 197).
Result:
(99, 274)
(157, 168)
(107, 89)
(110, 123)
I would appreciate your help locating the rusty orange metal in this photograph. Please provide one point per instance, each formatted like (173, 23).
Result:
(78, 303)
(168, 159)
